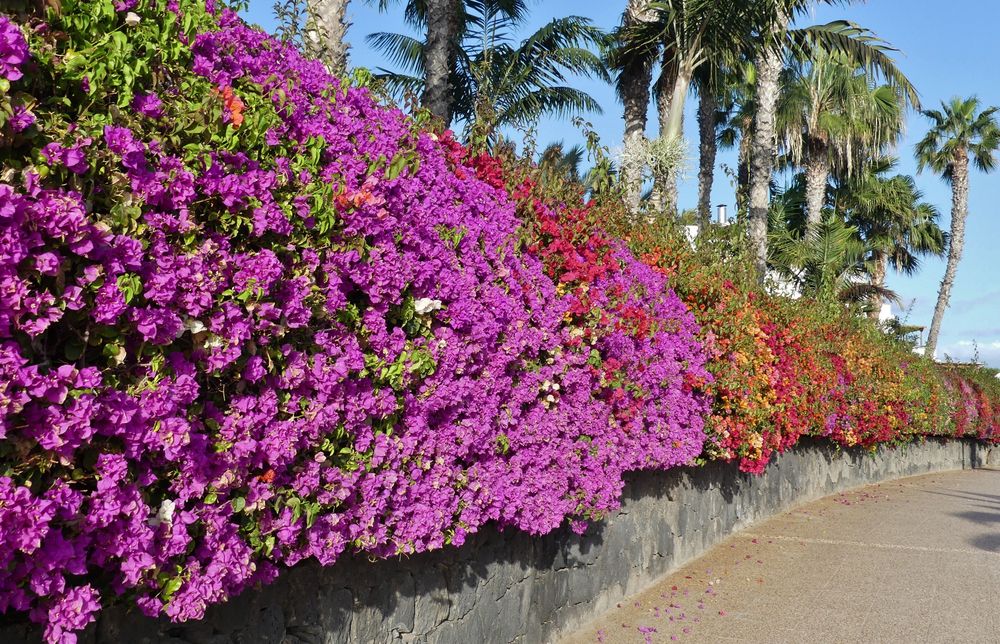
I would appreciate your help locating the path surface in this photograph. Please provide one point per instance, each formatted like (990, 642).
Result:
(915, 560)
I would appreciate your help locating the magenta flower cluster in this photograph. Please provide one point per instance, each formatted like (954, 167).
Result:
(316, 333)
(13, 50)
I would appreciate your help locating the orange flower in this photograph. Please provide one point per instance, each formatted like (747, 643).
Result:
(233, 104)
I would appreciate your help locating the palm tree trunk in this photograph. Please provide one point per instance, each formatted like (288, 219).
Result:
(817, 170)
(327, 31)
(665, 179)
(764, 146)
(442, 33)
(959, 212)
(880, 266)
(633, 87)
(672, 123)
(743, 173)
(706, 152)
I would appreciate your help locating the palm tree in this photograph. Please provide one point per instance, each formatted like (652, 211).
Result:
(737, 112)
(890, 214)
(437, 56)
(634, 72)
(692, 38)
(494, 83)
(830, 263)
(858, 44)
(687, 34)
(326, 31)
(665, 154)
(832, 117)
(708, 144)
(960, 129)
(442, 22)
(556, 162)
(559, 165)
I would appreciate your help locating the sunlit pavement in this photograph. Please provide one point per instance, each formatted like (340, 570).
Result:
(915, 560)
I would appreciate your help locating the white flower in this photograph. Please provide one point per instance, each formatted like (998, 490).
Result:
(426, 305)
(164, 515)
(213, 342)
(194, 326)
(132, 19)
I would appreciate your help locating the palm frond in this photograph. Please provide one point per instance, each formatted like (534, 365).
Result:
(858, 44)
(402, 50)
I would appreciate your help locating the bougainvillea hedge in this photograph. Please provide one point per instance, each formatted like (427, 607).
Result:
(249, 316)
(787, 368)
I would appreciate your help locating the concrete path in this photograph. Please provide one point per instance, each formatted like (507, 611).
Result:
(915, 560)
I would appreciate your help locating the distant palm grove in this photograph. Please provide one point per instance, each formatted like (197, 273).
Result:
(825, 105)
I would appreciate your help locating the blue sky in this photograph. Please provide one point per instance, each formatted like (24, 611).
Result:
(948, 49)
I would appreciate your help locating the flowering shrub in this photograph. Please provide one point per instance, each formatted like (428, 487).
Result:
(248, 317)
(976, 393)
(790, 368)
(638, 337)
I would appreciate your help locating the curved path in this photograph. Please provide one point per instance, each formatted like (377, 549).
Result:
(914, 560)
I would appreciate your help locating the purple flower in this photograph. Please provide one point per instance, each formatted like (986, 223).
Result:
(13, 50)
(47, 263)
(71, 612)
(73, 158)
(22, 119)
(148, 104)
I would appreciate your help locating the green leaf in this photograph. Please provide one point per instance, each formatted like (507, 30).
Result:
(170, 587)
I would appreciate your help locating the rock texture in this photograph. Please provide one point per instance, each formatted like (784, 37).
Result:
(511, 587)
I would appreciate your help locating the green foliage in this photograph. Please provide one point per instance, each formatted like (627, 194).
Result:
(497, 83)
(960, 127)
(292, 17)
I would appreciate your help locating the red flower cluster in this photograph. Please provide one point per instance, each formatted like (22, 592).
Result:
(785, 369)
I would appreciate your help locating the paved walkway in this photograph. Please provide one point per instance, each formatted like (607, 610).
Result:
(915, 560)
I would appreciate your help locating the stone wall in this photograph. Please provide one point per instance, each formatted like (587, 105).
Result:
(509, 587)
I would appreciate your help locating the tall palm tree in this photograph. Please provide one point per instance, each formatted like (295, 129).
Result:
(444, 23)
(833, 117)
(633, 75)
(707, 82)
(692, 38)
(725, 117)
(865, 50)
(666, 152)
(959, 130)
(326, 32)
(737, 112)
(890, 214)
(686, 34)
(437, 56)
(495, 83)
